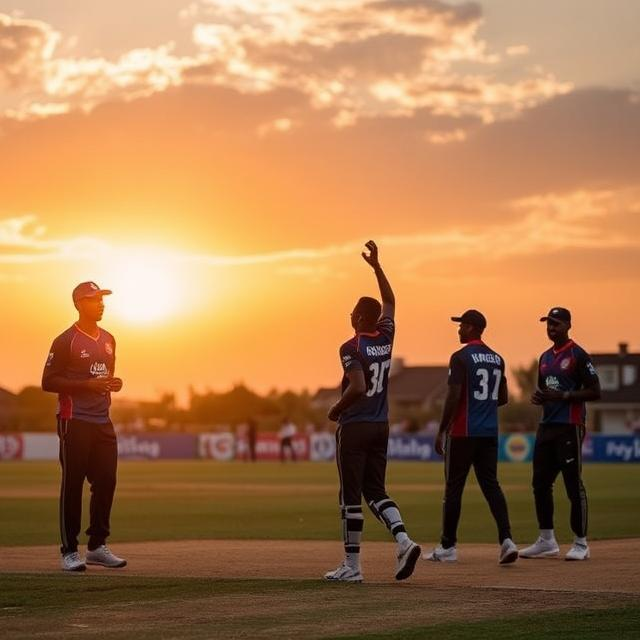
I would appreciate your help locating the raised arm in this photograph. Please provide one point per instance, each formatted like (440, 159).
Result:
(386, 293)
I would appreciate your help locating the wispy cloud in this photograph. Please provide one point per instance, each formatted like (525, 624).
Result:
(538, 224)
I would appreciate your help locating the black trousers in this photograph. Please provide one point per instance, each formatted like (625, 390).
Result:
(461, 454)
(361, 455)
(558, 449)
(287, 444)
(87, 451)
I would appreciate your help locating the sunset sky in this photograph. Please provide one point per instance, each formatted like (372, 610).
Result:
(220, 163)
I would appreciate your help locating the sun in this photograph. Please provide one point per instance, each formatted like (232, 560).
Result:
(147, 286)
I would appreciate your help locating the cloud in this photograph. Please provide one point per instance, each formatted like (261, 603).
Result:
(25, 47)
(536, 225)
(357, 58)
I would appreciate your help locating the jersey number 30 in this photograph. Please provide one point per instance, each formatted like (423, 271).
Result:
(378, 369)
(483, 392)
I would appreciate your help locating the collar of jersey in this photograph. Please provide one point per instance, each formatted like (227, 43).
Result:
(564, 347)
(369, 334)
(471, 342)
(84, 333)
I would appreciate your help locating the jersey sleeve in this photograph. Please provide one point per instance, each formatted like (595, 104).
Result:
(586, 371)
(457, 370)
(387, 327)
(57, 361)
(349, 357)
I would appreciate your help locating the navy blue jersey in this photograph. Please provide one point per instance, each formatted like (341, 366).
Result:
(479, 371)
(76, 355)
(370, 352)
(566, 369)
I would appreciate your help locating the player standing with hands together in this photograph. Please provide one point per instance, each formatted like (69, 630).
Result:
(80, 370)
(566, 380)
(363, 429)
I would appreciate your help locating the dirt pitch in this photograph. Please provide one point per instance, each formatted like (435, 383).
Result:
(473, 588)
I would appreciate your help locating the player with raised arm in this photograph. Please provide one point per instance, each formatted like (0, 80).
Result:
(468, 435)
(363, 429)
(80, 370)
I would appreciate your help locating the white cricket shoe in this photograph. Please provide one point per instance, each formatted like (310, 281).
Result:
(578, 551)
(344, 573)
(541, 548)
(508, 552)
(408, 554)
(105, 558)
(440, 554)
(73, 562)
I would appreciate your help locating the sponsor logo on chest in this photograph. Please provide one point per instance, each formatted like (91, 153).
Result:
(99, 369)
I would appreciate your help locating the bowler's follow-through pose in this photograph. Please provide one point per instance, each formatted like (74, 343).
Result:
(363, 430)
(80, 370)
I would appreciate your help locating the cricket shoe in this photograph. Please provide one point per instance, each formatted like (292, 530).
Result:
(105, 558)
(440, 554)
(344, 573)
(73, 562)
(508, 552)
(578, 551)
(408, 554)
(541, 548)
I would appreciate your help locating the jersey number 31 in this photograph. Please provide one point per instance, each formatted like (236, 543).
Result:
(378, 369)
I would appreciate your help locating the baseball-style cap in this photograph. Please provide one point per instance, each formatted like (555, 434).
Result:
(472, 317)
(88, 290)
(559, 314)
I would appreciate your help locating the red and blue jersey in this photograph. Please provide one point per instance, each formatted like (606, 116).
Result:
(370, 352)
(479, 371)
(75, 355)
(568, 368)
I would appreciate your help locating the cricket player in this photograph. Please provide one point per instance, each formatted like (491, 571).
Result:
(80, 370)
(566, 380)
(363, 429)
(468, 435)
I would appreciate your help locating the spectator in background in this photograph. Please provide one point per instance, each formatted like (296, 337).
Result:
(252, 436)
(287, 431)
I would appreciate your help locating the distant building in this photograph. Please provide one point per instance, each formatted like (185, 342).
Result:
(618, 410)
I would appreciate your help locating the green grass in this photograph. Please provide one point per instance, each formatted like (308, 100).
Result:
(119, 606)
(597, 624)
(202, 499)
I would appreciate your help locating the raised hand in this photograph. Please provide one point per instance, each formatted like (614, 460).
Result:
(372, 257)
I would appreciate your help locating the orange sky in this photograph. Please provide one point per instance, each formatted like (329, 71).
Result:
(223, 185)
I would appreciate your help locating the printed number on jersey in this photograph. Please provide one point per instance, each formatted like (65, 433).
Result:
(378, 370)
(485, 381)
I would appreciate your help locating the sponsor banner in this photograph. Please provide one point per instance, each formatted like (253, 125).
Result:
(217, 446)
(411, 448)
(613, 449)
(11, 446)
(268, 447)
(516, 447)
(157, 447)
(41, 446)
(322, 446)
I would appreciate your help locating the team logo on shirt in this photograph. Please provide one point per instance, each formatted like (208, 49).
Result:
(108, 348)
(49, 359)
(84, 354)
(591, 369)
(565, 364)
(99, 369)
(552, 383)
